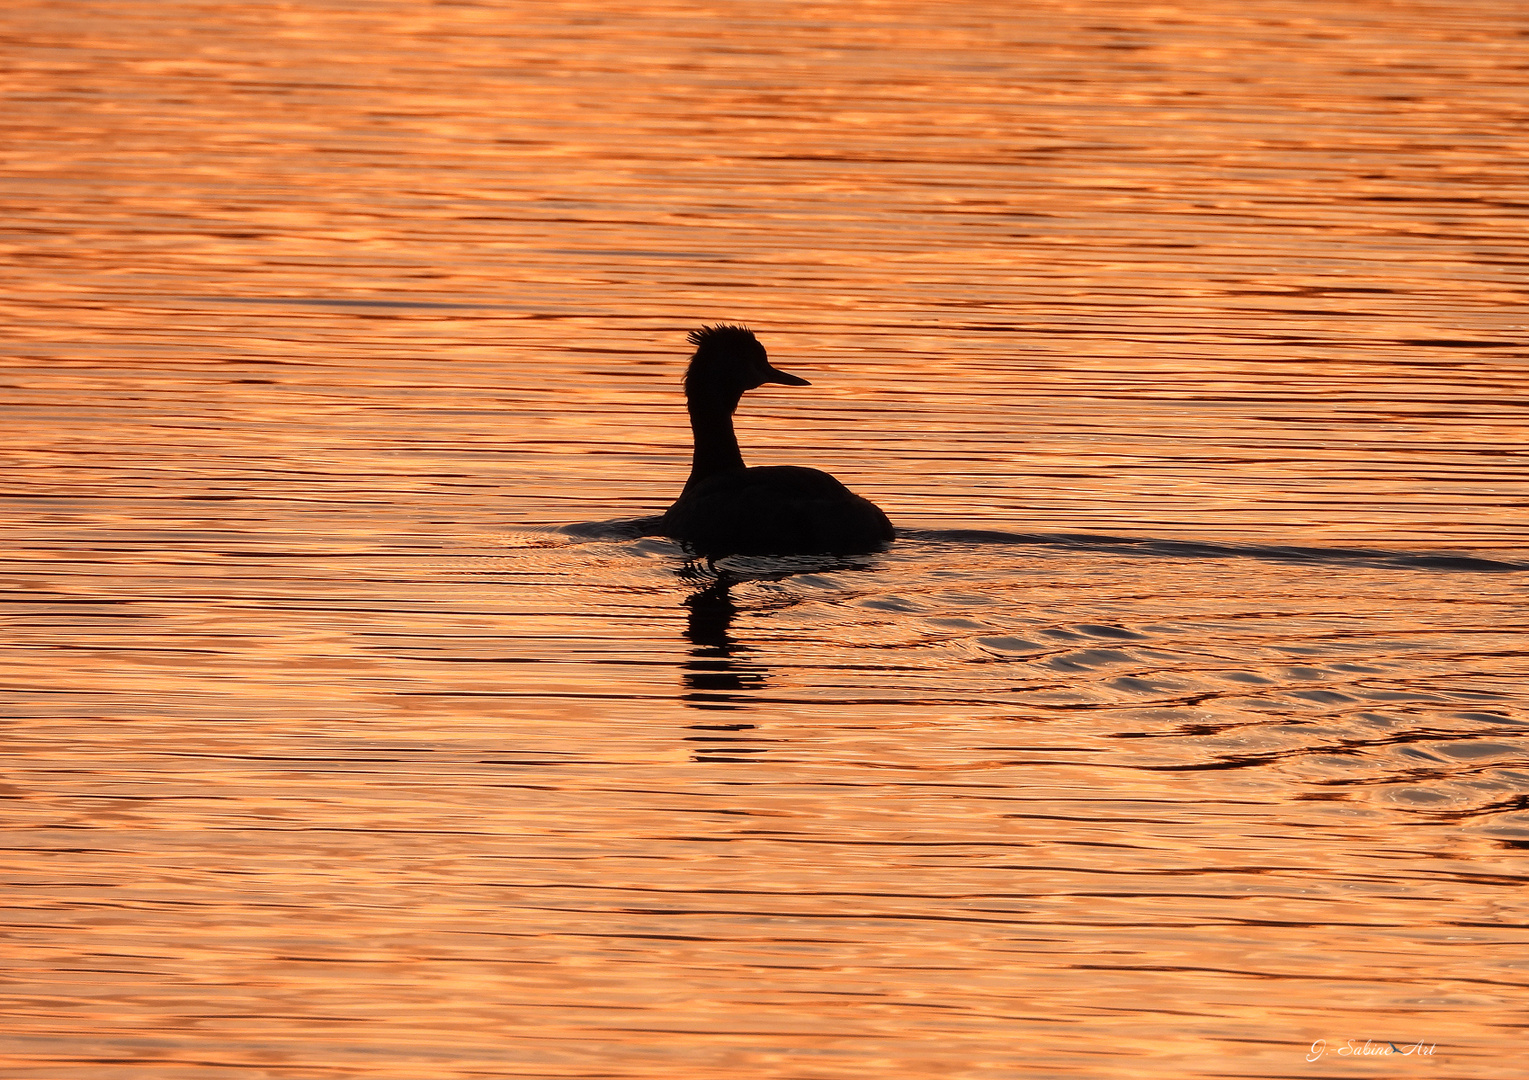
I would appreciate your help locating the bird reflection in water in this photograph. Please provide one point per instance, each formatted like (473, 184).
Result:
(714, 679)
(718, 674)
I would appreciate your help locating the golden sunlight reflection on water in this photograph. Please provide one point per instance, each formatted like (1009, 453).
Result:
(1181, 729)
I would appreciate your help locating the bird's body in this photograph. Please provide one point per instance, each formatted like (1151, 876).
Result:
(776, 510)
(727, 508)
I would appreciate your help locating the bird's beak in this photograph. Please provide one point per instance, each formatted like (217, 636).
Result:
(775, 375)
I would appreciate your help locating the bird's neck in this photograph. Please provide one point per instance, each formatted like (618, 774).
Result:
(716, 446)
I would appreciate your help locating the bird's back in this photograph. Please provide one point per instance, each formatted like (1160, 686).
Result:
(777, 510)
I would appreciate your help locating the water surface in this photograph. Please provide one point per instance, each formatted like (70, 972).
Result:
(1181, 729)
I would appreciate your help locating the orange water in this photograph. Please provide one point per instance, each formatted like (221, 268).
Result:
(1181, 340)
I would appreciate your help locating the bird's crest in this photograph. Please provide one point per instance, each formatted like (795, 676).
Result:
(721, 334)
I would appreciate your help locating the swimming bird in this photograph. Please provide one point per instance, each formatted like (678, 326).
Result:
(728, 509)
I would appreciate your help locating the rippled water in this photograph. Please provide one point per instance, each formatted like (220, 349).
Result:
(1180, 733)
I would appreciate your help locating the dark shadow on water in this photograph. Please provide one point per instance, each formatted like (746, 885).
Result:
(615, 529)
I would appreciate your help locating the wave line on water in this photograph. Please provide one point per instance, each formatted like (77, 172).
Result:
(1191, 549)
(1381, 558)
